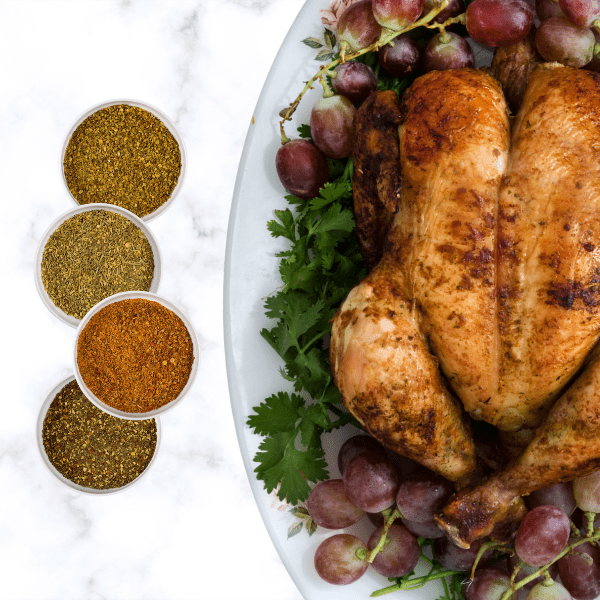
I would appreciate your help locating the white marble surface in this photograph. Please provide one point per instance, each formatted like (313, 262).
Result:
(190, 529)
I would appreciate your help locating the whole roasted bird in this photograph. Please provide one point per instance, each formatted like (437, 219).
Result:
(485, 289)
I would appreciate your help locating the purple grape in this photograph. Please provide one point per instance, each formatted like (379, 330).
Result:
(376, 518)
(302, 168)
(542, 535)
(548, 8)
(586, 491)
(559, 40)
(447, 51)
(454, 8)
(499, 22)
(429, 529)
(354, 80)
(421, 495)
(357, 27)
(525, 570)
(400, 554)
(329, 506)
(581, 580)
(559, 495)
(451, 557)
(397, 14)
(488, 583)
(401, 56)
(341, 559)
(581, 12)
(358, 444)
(371, 482)
(332, 126)
(554, 592)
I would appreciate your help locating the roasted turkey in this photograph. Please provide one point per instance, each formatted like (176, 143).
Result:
(485, 283)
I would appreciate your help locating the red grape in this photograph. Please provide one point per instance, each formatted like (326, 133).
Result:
(338, 559)
(357, 26)
(488, 583)
(559, 40)
(581, 579)
(371, 482)
(587, 492)
(400, 553)
(553, 592)
(447, 51)
(332, 126)
(454, 558)
(548, 8)
(429, 529)
(499, 22)
(358, 444)
(401, 56)
(542, 535)
(559, 495)
(329, 506)
(581, 12)
(422, 494)
(354, 80)
(397, 14)
(454, 8)
(525, 570)
(302, 168)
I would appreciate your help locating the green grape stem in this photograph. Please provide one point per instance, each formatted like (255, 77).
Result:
(386, 37)
(594, 537)
(389, 517)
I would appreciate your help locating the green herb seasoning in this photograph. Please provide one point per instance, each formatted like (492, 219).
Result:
(92, 448)
(93, 255)
(123, 155)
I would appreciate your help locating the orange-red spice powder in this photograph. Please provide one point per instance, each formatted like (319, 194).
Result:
(135, 355)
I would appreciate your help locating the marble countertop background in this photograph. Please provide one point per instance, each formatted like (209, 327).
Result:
(190, 529)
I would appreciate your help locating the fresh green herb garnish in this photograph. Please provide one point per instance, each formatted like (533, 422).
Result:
(318, 270)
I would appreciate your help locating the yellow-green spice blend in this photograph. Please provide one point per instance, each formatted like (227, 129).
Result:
(122, 155)
(92, 448)
(93, 255)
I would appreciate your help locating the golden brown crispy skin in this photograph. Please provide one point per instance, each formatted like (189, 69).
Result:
(376, 183)
(435, 283)
(566, 446)
(392, 384)
(549, 245)
(454, 149)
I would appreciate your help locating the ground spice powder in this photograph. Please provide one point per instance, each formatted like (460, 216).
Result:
(92, 448)
(122, 155)
(135, 355)
(93, 255)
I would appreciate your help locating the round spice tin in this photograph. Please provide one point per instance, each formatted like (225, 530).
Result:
(74, 486)
(124, 296)
(161, 117)
(54, 309)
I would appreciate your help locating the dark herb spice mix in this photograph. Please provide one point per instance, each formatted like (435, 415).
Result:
(123, 155)
(135, 355)
(92, 448)
(93, 255)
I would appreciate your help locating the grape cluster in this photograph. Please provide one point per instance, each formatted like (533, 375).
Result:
(555, 539)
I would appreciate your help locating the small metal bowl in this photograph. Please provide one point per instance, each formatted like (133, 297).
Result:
(63, 316)
(152, 413)
(62, 478)
(159, 115)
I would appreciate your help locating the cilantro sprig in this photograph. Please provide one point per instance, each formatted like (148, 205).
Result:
(318, 269)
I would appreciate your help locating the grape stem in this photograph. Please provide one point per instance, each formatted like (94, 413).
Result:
(389, 517)
(385, 38)
(594, 537)
(414, 583)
